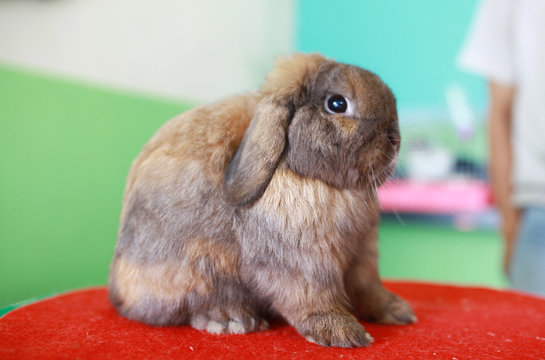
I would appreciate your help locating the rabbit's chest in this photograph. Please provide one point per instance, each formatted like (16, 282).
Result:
(310, 213)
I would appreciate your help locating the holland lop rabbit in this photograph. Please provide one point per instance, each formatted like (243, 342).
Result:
(265, 204)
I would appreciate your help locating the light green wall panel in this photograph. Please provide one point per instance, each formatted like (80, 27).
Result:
(65, 150)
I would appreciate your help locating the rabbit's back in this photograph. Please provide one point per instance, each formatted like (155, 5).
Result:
(176, 234)
(204, 137)
(178, 175)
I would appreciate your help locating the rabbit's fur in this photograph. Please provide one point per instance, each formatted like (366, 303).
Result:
(264, 204)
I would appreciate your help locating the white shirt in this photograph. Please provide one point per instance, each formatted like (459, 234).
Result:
(507, 44)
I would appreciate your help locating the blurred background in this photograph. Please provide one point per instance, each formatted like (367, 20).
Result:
(85, 83)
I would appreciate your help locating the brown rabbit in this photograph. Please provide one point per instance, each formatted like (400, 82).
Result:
(265, 204)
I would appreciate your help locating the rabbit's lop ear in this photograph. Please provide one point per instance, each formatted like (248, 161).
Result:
(253, 165)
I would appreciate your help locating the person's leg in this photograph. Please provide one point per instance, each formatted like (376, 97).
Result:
(527, 270)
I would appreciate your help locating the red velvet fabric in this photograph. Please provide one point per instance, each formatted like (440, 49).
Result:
(454, 323)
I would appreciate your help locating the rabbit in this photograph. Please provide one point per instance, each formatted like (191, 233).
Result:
(264, 205)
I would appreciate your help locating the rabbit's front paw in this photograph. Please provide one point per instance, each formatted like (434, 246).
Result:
(336, 329)
(383, 307)
(397, 312)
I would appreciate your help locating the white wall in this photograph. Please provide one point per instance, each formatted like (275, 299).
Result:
(183, 49)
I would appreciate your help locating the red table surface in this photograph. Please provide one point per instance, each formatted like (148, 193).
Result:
(454, 323)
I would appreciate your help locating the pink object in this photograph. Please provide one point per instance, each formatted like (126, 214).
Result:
(435, 197)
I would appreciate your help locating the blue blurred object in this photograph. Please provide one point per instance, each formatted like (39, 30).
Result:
(526, 272)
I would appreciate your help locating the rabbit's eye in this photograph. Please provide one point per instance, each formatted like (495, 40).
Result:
(336, 104)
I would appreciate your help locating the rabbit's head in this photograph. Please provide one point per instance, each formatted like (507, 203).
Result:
(325, 120)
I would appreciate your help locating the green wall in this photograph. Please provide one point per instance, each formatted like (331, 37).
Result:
(437, 252)
(65, 150)
(412, 45)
